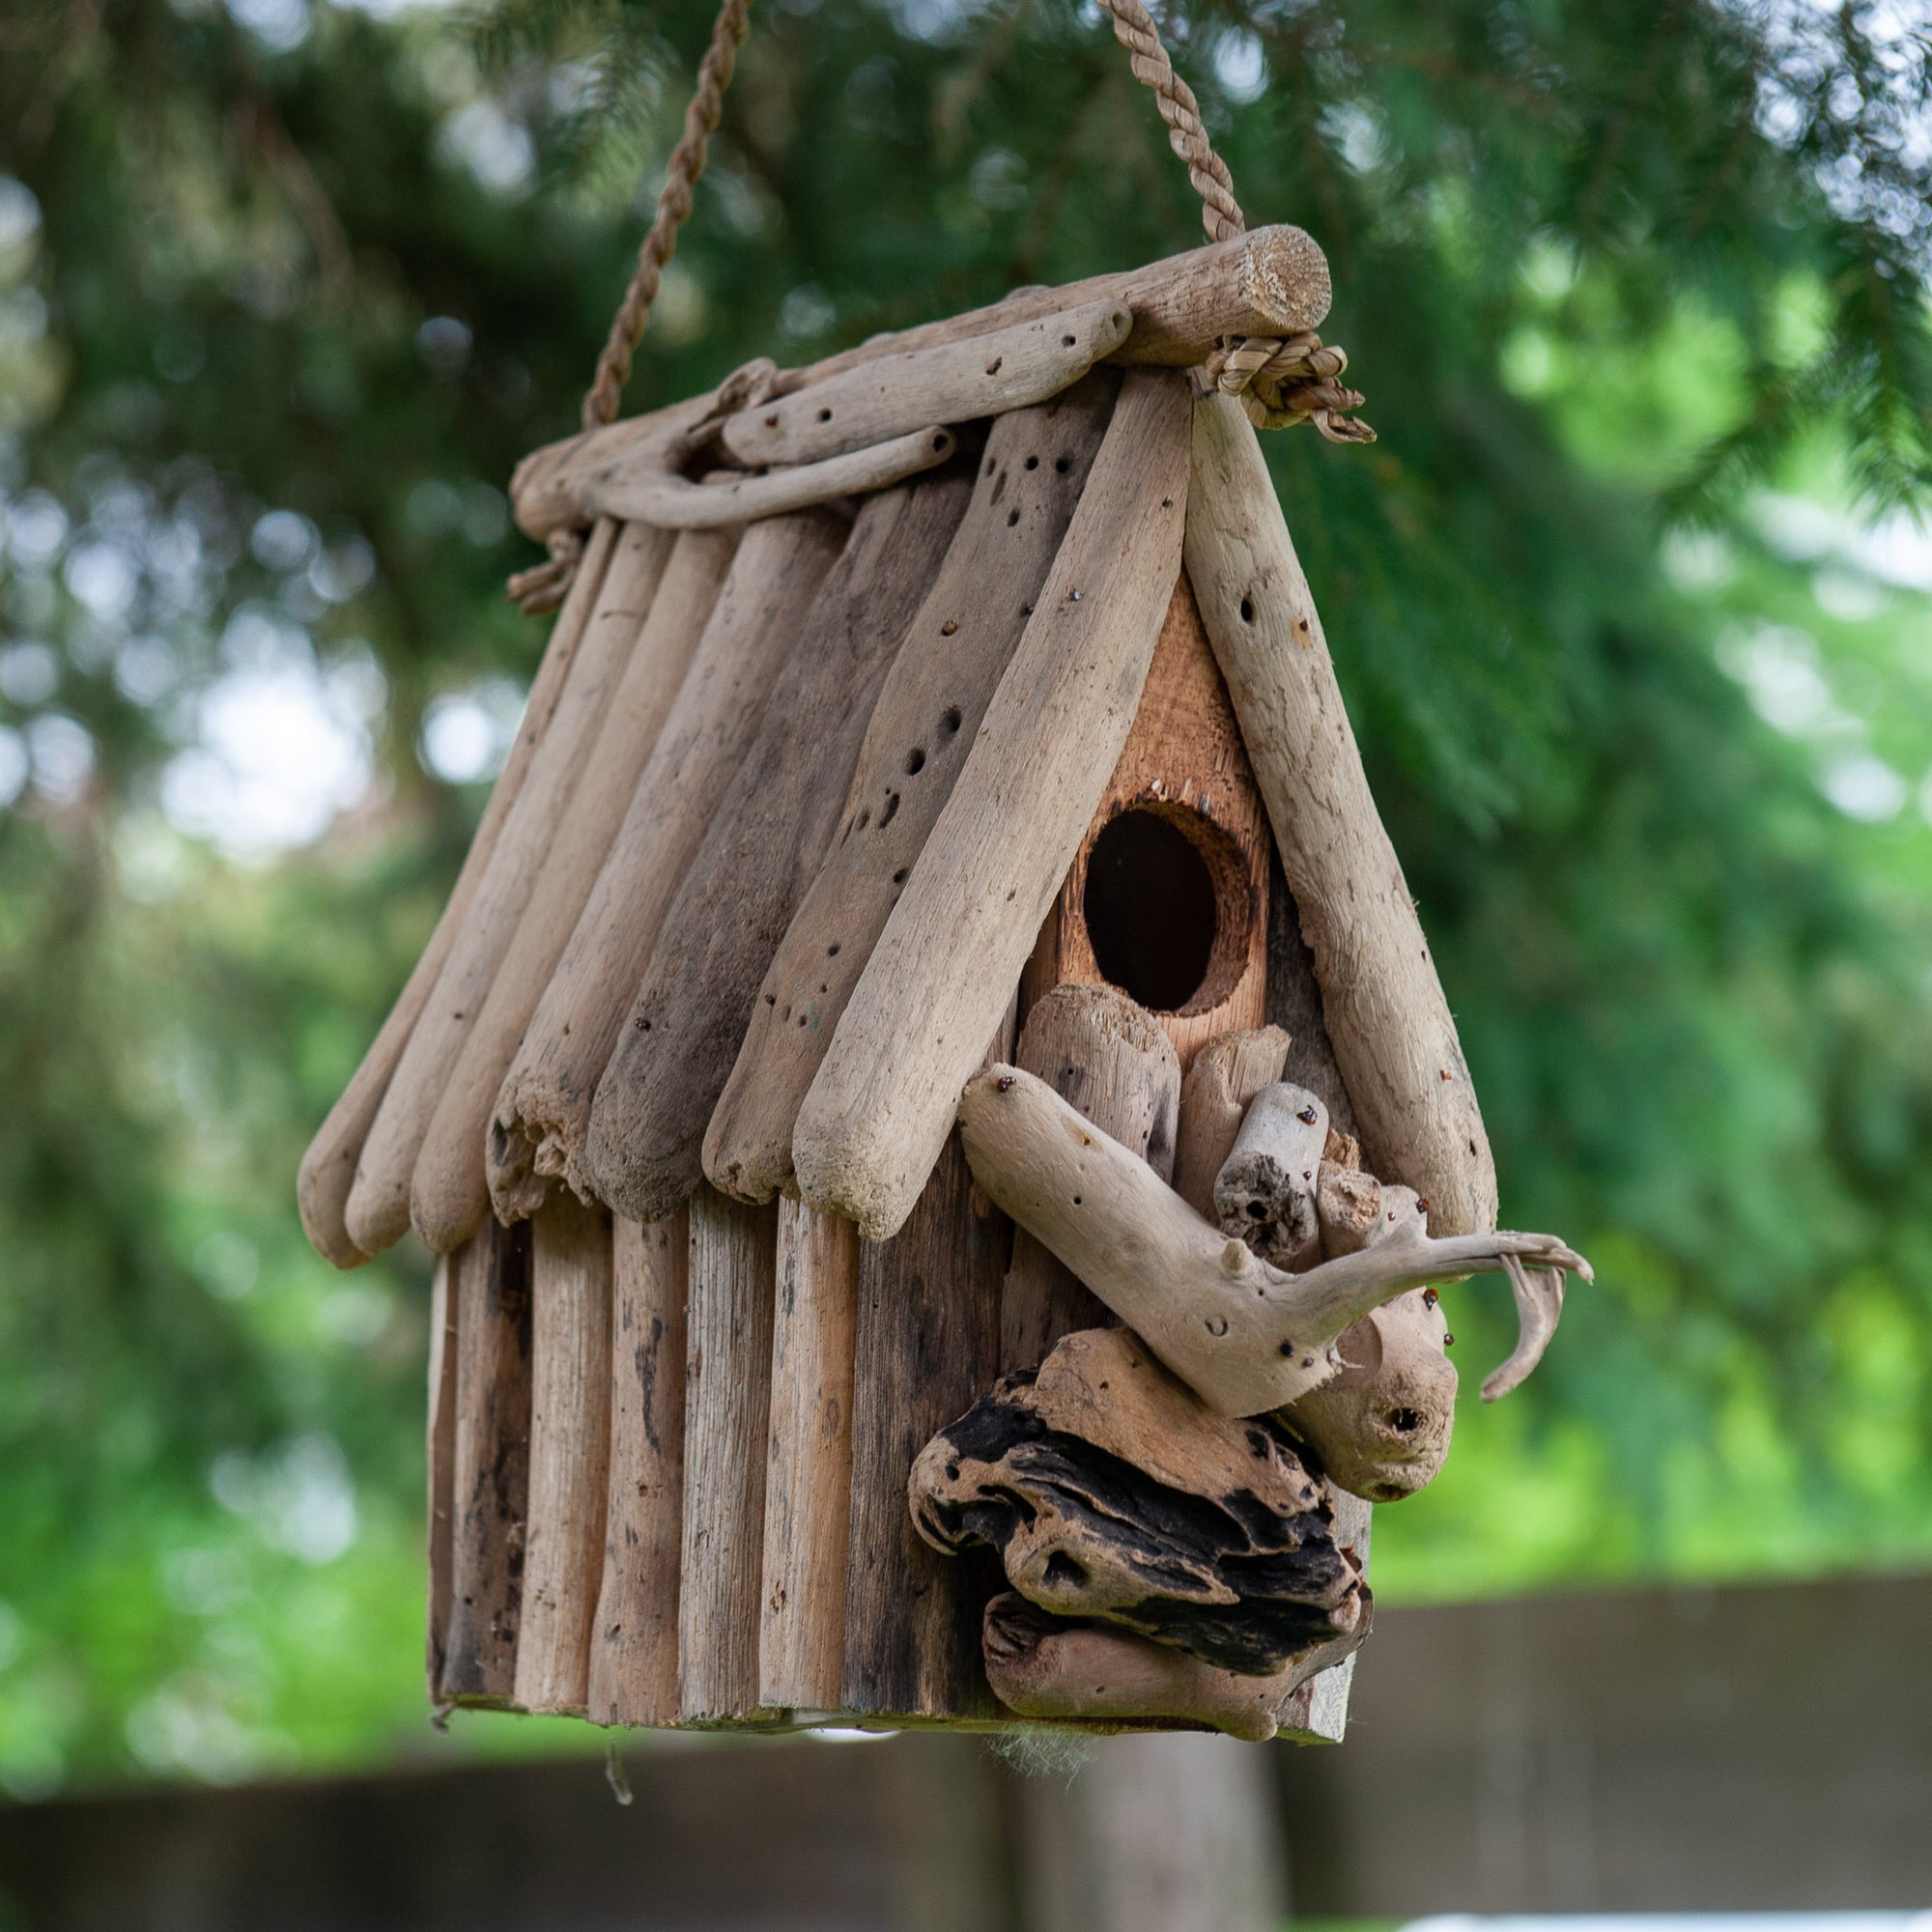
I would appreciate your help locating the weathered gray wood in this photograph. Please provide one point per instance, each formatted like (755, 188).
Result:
(543, 1111)
(1103, 1054)
(931, 703)
(882, 1104)
(450, 1192)
(1246, 1337)
(328, 1170)
(988, 375)
(634, 1641)
(1227, 1074)
(377, 1212)
(570, 1453)
(1264, 1194)
(1270, 281)
(808, 1483)
(726, 1433)
(928, 1347)
(491, 1480)
(1394, 1039)
(766, 844)
(644, 486)
(441, 1446)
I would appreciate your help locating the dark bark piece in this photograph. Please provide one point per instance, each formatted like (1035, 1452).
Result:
(1111, 1492)
(491, 1484)
(928, 1341)
(771, 835)
(1114, 1061)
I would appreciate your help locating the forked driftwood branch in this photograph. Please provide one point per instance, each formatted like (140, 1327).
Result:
(1246, 1336)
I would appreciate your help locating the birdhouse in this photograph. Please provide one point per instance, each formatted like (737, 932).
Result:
(931, 1091)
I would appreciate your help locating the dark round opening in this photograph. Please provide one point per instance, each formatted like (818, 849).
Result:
(1149, 910)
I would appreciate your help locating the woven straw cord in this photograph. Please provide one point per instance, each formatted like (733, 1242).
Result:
(543, 588)
(1280, 382)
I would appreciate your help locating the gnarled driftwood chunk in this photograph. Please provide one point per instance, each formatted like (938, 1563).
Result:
(1111, 1492)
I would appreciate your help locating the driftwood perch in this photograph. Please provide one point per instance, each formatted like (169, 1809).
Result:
(1245, 1336)
(1111, 1492)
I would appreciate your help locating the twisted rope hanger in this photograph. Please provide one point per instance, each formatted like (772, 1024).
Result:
(1280, 382)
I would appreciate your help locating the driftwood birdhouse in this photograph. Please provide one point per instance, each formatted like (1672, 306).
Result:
(930, 1089)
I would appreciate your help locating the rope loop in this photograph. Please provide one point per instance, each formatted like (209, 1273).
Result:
(1280, 383)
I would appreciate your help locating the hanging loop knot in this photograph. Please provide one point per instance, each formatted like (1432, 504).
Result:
(1279, 382)
(1293, 380)
(545, 585)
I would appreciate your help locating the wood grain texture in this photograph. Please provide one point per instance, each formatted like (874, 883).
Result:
(928, 1345)
(930, 706)
(1183, 762)
(379, 1204)
(634, 1641)
(440, 1459)
(1270, 281)
(726, 1433)
(1110, 1059)
(808, 1483)
(1394, 1039)
(570, 1453)
(490, 1483)
(652, 492)
(450, 1192)
(543, 1111)
(1009, 369)
(1227, 1074)
(327, 1168)
(765, 845)
(1247, 1337)
(951, 952)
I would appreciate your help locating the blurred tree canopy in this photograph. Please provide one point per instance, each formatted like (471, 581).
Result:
(1628, 604)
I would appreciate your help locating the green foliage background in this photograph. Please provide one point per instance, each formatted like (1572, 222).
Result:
(1628, 604)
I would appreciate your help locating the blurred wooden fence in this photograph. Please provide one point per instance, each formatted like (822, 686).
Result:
(1735, 1748)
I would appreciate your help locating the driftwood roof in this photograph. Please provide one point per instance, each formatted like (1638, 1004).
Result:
(848, 658)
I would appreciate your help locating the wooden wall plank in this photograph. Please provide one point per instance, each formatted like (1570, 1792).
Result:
(808, 1485)
(634, 1641)
(441, 1445)
(570, 1445)
(491, 1481)
(929, 1347)
(727, 1418)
